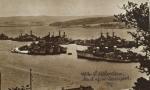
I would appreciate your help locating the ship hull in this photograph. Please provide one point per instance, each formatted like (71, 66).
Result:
(52, 51)
(90, 56)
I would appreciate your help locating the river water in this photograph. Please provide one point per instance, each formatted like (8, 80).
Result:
(54, 72)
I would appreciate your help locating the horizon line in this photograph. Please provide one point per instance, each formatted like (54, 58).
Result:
(57, 16)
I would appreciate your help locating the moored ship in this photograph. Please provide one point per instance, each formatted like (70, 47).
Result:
(109, 54)
(41, 48)
(4, 37)
(47, 45)
(26, 37)
(57, 39)
(108, 40)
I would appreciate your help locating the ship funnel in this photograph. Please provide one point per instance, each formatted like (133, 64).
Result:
(113, 34)
(107, 34)
(59, 33)
(31, 32)
(64, 34)
(49, 34)
(101, 34)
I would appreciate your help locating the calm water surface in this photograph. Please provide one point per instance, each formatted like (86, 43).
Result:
(54, 72)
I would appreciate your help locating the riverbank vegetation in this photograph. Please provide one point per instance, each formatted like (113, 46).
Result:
(137, 16)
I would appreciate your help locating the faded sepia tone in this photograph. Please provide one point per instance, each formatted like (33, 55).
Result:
(61, 7)
(52, 72)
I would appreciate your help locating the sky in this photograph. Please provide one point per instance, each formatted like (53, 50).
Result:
(61, 7)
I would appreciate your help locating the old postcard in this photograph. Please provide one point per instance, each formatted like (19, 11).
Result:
(74, 45)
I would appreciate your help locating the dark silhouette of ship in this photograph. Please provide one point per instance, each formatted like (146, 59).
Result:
(41, 47)
(108, 41)
(106, 49)
(59, 39)
(47, 45)
(4, 37)
(109, 54)
(26, 37)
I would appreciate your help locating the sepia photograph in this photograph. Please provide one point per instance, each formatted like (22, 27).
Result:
(74, 45)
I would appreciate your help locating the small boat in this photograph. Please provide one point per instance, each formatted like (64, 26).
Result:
(69, 53)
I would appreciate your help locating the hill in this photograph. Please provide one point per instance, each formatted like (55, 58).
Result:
(104, 22)
(63, 21)
(32, 20)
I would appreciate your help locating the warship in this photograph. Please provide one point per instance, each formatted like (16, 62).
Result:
(26, 37)
(47, 45)
(41, 47)
(108, 41)
(4, 37)
(59, 39)
(109, 54)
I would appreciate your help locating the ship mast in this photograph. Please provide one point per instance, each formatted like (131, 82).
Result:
(30, 79)
(0, 80)
(60, 29)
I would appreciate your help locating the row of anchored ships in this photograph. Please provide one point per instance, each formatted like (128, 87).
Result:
(47, 45)
(105, 48)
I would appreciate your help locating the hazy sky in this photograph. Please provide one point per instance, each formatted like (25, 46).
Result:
(61, 7)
